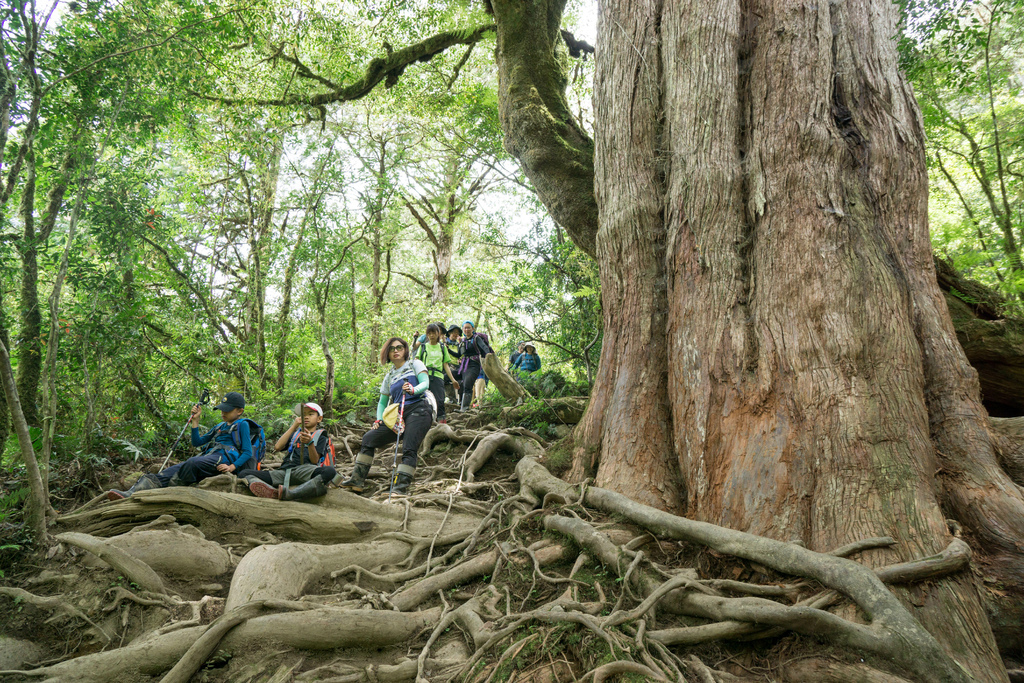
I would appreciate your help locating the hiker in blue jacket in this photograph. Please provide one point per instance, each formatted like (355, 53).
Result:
(221, 455)
(528, 361)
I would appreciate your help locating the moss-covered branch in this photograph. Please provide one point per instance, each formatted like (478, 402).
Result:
(387, 69)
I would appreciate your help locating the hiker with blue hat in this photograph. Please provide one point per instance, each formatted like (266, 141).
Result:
(228, 449)
(474, 348)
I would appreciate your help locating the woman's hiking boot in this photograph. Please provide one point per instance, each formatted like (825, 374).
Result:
(145, 482)
(261, 489)
(356, 482)
(403, 480)
(314, 488)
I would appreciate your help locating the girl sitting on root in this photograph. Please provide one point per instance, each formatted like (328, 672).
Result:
(306, 470)
(406, 379)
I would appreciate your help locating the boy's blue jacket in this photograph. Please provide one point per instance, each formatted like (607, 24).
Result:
(225, 444)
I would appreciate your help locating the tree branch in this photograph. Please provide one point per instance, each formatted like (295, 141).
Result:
(415, 279)
(387, 69)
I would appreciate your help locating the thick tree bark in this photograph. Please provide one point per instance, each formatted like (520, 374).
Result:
(763, 225)
(993, 343)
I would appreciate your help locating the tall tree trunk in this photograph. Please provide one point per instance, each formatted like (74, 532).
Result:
(283, 321)
(376, 289)
(259, 257)
(763, 224)
(327, 401)
(442, 264)
(352, 308)
(5, 412)
(35, 506)
(30, 348)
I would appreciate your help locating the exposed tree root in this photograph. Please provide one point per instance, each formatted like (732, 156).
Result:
(131, 567)
(484, 559)
(205, 644)
(341, 517)
(318, 629)
(175, 552)
(893, 632)
(51, 602)
(284, 571)
(491, 444)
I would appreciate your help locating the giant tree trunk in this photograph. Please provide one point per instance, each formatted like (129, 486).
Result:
(777, 355)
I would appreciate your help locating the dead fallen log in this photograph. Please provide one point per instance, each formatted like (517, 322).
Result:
(506, 383)
(567, 410)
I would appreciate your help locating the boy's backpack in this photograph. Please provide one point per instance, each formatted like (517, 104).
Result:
(328, 458)
(257, 438)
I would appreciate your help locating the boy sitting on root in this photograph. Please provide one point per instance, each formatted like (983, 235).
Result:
(307, 468)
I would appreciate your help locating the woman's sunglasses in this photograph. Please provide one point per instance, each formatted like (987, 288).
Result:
(398, 348)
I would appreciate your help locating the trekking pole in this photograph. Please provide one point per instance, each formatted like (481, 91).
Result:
(203, 400)
(401, 427)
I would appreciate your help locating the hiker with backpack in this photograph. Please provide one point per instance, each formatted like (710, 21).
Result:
(433, 354)
(514, 356)
(308, 466)
(404, 410)
(473, 348)
(232, 443)
(528, 362)
(451, 342)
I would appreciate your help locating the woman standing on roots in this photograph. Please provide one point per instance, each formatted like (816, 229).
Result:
(404, 385)
(435, 356)
(473, 348)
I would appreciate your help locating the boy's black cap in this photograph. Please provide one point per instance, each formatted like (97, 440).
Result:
(232, 400)
(454, 328)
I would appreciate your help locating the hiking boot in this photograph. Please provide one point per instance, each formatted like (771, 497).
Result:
(261, 489)
(403, 479)
(314, 488)
(356, 482)
(145, 482)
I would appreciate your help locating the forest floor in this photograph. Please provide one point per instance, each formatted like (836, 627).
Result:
(492, 570)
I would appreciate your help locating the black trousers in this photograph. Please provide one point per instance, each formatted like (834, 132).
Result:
(417, 423)
(469, 376)
(437, 389)
(192, 471)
